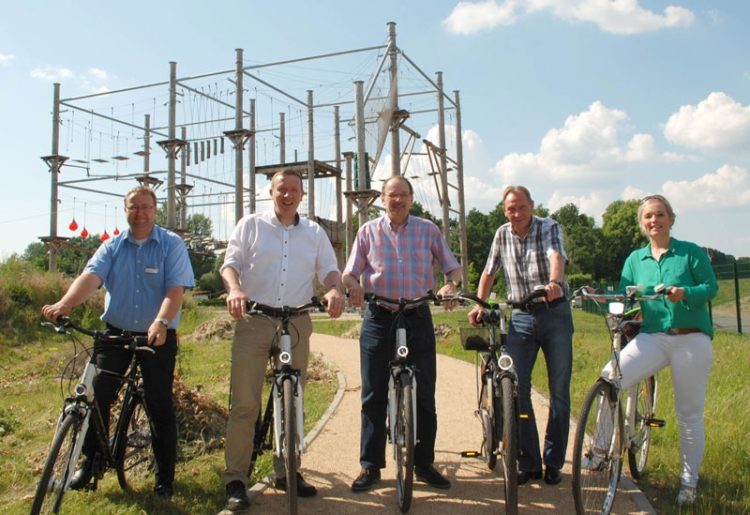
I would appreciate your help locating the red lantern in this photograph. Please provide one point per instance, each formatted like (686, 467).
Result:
(116, 231)
(84, 233)
(73, 225)
(104, 237)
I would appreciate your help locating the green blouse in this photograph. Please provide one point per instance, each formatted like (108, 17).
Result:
(685, 265)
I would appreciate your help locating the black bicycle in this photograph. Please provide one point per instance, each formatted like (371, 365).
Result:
(498, 408)
(402, 396)
(284, 407)
(129, 451)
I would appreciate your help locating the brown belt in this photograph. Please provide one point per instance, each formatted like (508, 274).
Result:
(682, 330)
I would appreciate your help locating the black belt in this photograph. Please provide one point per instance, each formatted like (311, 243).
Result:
(533, 307)
(682, 330)
(117, 331)
(407, 312)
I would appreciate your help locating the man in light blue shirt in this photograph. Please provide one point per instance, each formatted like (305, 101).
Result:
(145, 271)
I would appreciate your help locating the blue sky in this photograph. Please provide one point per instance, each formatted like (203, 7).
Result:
(584, 101)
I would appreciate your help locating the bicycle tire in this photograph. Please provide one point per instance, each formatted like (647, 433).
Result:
(509, 447)
(404, 443)
(645, 408)
(52, 484)
(598, 438)
(289, 443)
(134, 455)
(487, 413)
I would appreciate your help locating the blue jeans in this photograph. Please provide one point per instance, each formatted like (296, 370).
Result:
(376, 348)
(550, 329)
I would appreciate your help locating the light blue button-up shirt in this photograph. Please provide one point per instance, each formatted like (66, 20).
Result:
(137, 277)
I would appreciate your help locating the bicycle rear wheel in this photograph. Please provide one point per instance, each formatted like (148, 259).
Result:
(597, 451)
(509, 446)
(645, 408)
(289, 443)
(57, 469)
(134, 455)
(404, 443)
(487, 414)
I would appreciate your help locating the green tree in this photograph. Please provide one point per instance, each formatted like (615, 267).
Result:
(621, 235)
(71, 259)
(582, 241)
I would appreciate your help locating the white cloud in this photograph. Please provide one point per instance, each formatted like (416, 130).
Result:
(5, 59)
(633, 193)
(728, 186)
(50, 73)
(97, 73)
(590, 145)
(614, 16)
(592, 204)
(718, 123)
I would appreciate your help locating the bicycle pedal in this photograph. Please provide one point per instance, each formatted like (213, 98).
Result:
(471, 454)
(523, 416)
(655, 422)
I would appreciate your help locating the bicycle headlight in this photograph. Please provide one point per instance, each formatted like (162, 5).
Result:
(505, 362)
(285, 357)
(402, 351)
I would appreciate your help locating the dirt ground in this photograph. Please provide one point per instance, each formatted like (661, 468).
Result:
(331, 461)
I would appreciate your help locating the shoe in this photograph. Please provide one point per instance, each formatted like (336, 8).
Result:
(304, 489)
(83, 475)
(552, 475)
(164, 491)
(593, 462)
(367, 478)
(432, 477)
(525, 475)
(686, 496)
(237, 496)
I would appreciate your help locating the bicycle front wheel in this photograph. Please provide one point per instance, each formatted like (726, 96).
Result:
(487, 414)
(57, 469)
(645, 408)
(289, 443)
(597, 451)
(404, 443)
(509, 447)
(134, 455)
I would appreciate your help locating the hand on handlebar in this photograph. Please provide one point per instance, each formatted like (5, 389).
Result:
(675, 293)
(334, 301)
(236, 303)
(475, 315)
(357, 295)
(54, 311)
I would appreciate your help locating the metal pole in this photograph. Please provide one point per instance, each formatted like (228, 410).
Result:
(147, 144)
(395, 143)
(359, 121)
(251, 159)
(238, 207)
(349, 236)
(337, 146)
(310, 158)
(282, 139)
(171, 154)
(54, 170)
(184, 156)
(737, 298)
(443, 157)
(461, 200)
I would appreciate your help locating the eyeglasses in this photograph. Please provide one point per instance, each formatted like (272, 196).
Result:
(397, 195)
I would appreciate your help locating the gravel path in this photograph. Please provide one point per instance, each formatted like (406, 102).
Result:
(331, 462)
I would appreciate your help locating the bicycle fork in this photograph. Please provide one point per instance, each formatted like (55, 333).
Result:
(402, 351)
(285, 357)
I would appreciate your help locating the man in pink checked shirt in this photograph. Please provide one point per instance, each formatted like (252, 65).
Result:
(394, 255)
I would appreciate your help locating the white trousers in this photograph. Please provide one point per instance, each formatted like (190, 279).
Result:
(689, 355)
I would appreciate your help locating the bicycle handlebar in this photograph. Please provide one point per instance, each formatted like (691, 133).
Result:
(128, 340)
(631, 294)
(256, 308)
(402, 302)
(538, 293)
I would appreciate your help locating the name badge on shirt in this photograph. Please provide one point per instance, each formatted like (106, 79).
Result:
(151, 270)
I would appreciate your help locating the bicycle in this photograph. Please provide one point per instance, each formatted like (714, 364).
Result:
(604, 434)
(284, 406)
(497, 396)
(402, 396)
(128, 451)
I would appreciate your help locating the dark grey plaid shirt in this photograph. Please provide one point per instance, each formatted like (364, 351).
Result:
(526, 261)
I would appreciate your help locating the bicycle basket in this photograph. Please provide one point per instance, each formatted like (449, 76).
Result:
(632, 325)
(474, 338)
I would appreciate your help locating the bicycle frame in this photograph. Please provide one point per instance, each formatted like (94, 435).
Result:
(398, 365)
(285, 372)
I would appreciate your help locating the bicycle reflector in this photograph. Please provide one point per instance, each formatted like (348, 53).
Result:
(470, 454)
(402, 351)
(285, 357)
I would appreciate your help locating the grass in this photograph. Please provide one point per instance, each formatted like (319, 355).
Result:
(30, 400)
(723, 485)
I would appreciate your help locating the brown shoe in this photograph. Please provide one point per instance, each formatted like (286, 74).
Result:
(367, 478)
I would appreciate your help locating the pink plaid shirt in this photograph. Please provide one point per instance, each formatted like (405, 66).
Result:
(399, 261)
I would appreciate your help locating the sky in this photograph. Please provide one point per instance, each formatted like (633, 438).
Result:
(582, 101)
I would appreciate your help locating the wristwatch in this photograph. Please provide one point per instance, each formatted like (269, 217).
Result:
(163, 321)
(559, 283)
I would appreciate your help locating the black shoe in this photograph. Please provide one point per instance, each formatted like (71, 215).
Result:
(366, 479)
(552, 475)
(525, 475)
(237, 496)
(164, 491)
(83, 475)
(304, 489)
(432, 477)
